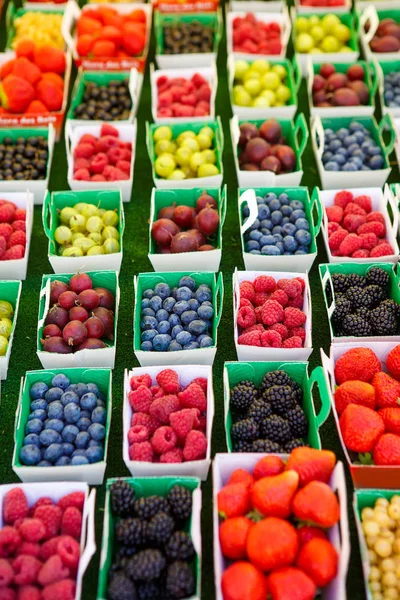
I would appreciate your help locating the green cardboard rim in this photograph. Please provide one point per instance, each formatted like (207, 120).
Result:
(348, 19)
(161, 19)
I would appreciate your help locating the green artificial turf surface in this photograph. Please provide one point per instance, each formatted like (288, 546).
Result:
(23, 355)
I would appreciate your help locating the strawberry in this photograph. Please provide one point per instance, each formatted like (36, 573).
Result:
(361, 427)
(391, 419)
(357, 363)
(233, 536)
(319, 560)
(387, 390)
(306, 533)
(268, 465)
(272, 496)
(393, 362)
(282, 546)
(311, 464)
(291, 584)
(241, 476)
(317, 503)
(354, 392)
(234, 500)
(242, 580)
(387, 450)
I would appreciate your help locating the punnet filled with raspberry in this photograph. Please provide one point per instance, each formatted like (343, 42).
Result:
(16, 218)
(273, 29)
(151, 539)
(269, 406)
(280, 523)
(10, 293)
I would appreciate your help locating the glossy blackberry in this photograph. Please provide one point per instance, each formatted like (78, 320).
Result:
(146, 508)
(266, 446)
(122, 498)
(242, 395)
(179, 547)
(276, 429)
(363, 312)
(356, 326)
(342, 308)
(276, 378)
(242, 446)
(259, 411)
(377, 276)
(392, 304)
(340, 282)
(297, 421)
(126, 552)
(355, 280)
(131, 532)
(358, 297)
(376, 293)
(119, 564)
(180, 580)
(246, 429)
(151, 590)
(160, 528)
(383, 320)
(281, 398)
(121, 588)
(296, 443)
(146, 565)
(180, 502)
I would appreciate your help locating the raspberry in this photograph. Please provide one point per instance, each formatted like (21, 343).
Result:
(81, 163)
(49, 547)
(172, 456)
(20, 214)
(147, 420)
(258, 311)
(256, 327)
(3, 245)
(81, 175)
(169, 381)
(246, 317)
(6, 230)
(107, 129)
(116, 154)
(88, 138)
(332, 227)
(10, 539)
(298, 332)
(291, 286)
(137, 380)
(26, 569)
(140, 399)
(98, 177)
(272, 312)
(337, 238)
(363, 253)
(69, 551)
(353, 222)
(161, 408)
(6, 573)
(343, 198)
(64, 589)
(193, 397)
(280, 296)
(376, 216)
(76, 499)
(32, 530)
(250, 339)
(247, 290)
(384, 249)
(264, 283)
(350, 244)
(52, 570)
(18, 225)
(164, 439)
(156, 391)
(28, 592)
(294, 317)
(83, 150)
(184, 421)
(195, 446)
(260, 298)
(15, 505)
(124, 165)
(301, 282)
(141, 451)
(369, 240)
(71, 523)
(334, 213)
(374, 226)
(7, 593)
(17, 238)
(280, 328)
(364, 202)
(138, 433)
(354, 209)
(14, 253)
(293, 342)
(30, 548)
(45, 501)
(7, 212)
(51, 518)
(271, 339)
(202, 382)
(244, 302)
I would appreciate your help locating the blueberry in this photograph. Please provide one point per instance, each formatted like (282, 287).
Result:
(31, 438)
(245, 211)
(374, 150)
(297, 214)
(53, 452)
(53, 393)
(286, 210)
(38, 404)
(259, 200)
(334, 145)
(148, 312)
(181, 306)
(284, 198)
(353, 148)
(332, 166)
(303, 237)
(271, 250)
(55, 424)
(79, 460)
(376, 162)
(340, 159)
(60, 381)
(40, 413)
(156, 303)
(174, 346)
(175, 330)
(44, 463)
(188, 316)
(63, 461)
(350, 167)
(34, 426)
(255, 235)
(95, 454)
(145, 303)
(289, 229)
(191, 346)
(301, 251)
(49, 436)
(162, 290)
(183, 337)
(263, 211)
(274, 205)
(280, 247)
(146, 346)
(99, 415)
(268, 197)
(267, 240)
(327, 155)
(206, 342)
(169, 303)
(255, 225)
(79, 452)
(187, 281)
(163, 327)
(290, 244)
(266, 224)
(203, 293)
(95, 443)
(69, 433)
(276, 217)
(89, 401)
(302, 224)
(30, 455)
(161, 342)
(148, 335)
(342, 152)
(72, 412)
(97, 431)
(148, 293)
(205, 311)
(183, 293)
(148, 323)
(265, 231)
(296, 205)
(276, 229)
(278, 237)
(355, 126)
(82, 439)
(174, 320)
(38, 390)
(93, 388)
(81, 390)
(55, 410)
(251, 245)
(356, 160)
(68, 449)
(193, 304)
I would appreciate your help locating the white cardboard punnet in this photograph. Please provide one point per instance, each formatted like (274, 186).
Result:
(4, 360)
(16, 269)
(256, 353)
(395, 110)
(361, 5)
(370, 16)
(194, 468)
(256, 6)
(339, 535)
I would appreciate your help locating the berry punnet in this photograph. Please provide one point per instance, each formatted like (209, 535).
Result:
(187, 37)
(23, 159)
(259, 84)
(107, 102)
(264, 148)
(267, 40)
(332, 88)
(325, 34)
(183, 97)
(352, 148)
(6, 324)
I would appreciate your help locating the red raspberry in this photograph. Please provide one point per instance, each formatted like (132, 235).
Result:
(350, 244)
(250, 339)
(7, 593)
(264, 283)
(193, 397)
(124, 165)
(156, 391)
(14, 253)
(71, 523)
(169, 381)
(332, 227)
(81, 163)
(116, 154)
(29, 548)
(49, 547)
(76, 499)
(28, 592)
(334, 213)
(83, 150)
(258, 313)
(343, 198)
(202, 423)
(184, 421)
(363, 253)
(26, 569)
(373, 226)
(353, 222)
(107, 129)
(364, 202)
(256, 327)
(20, 214)
(354, 209)
(281, 329)
(161, 408)
(384, 249)
(294, 317)
(64, 589)
(98, 177)
(272, 312)
(164, 439)
(6, 573)
(138, 433)
(280, 296)
(10, 539)
(195, 446)
(18, 225)
(15, 505)
(138, 380)
(291, 286)
(45, 501)
(271, 339)
(147, 420)
(88, 138)
(172, 456)
(202, 382)
(81, 175)
(52, 570)
(369, 240)
(69, 551)
(6, 230)
(301, 282)
(141, 451)
(293, 342)
(337, 238)
(98, 163)
(32, 530)
(3, 245)
(244, 302)
(51, 518)
(247, 290)
(7, 213)
(376, 216)
(260, 298)
(246, 317)
(140, 399)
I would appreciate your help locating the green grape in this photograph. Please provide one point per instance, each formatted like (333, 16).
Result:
(94, 224)
(110, 232)
(66, 214)
(5, 327)
(96, 237)
(111, 245)
(75, 236)
(84, 244)
(90, 210)
(72, 251)
(78, 223)
(6, 309)
(80, 206)
(3, 345)
(63, 234)
(95, 250)
(110, 217)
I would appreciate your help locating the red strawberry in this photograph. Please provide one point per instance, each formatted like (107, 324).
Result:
(387, 390)
(357, 363)
(354, 392)
(234, 500)
(268, 465)
(387, 450)
(272, 496)
(393, 362)
(319, 560)
(233, 536)
(361, 428)
(391, 418)
(311, 464)
(282, 546)
(242, 580)
(241, 476)
(291, 584)
(306, 533)
(316, 503)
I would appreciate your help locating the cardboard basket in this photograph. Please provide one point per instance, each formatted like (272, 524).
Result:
(35, 491)
(288, 111)
(54, 202)
(199, 59)
(100, 357)
(258, 262)
(36, 187)
(256, 6)
(209, 74)
(13, 13)
(177, 128)
(364, 476)
(339, 535)
(381, 201)
(350, 179)
(235, 372)
(325, 273)
(291, 131)
(17, 268)
(193, 468)
(198, 356)
(92, 474)
(148, 486)
(372, 14)
(256, 353)
(201, 261)
(384, 67)
(11, 292)
(371, 80)
(127, 133)
(71, 16)
(361, 5)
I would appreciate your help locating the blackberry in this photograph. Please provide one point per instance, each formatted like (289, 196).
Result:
(363, 312)
(297, 421)
(340, 282)
(281, 398)
(358, 297)
(122, 498)
(180, 580)
(342, 308)
(119, 563)
(328, 293)
(259, 411)
(150, 590)
(392, 304)
(266, 446)
(131, 532)
(355, 280)
(179, 547)
(376, 293)
(274, 378)
(121, 588)
(356, 326)
(126, 552)
(147, 565)
(276, 429)
(180, 502)
(242, 446)
(383, 320)
(160, 528)
(242, 395)
(296, 443)
(246, 429)
(146, 508)
(377, 276)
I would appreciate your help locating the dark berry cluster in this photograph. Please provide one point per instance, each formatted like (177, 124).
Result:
(23, 159)
(153, 553)
(269, 418)
(110, 102)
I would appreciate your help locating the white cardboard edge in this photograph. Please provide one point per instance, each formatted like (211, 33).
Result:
(16, 269)
(274, 6)
(5, 360)
(395, 111)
